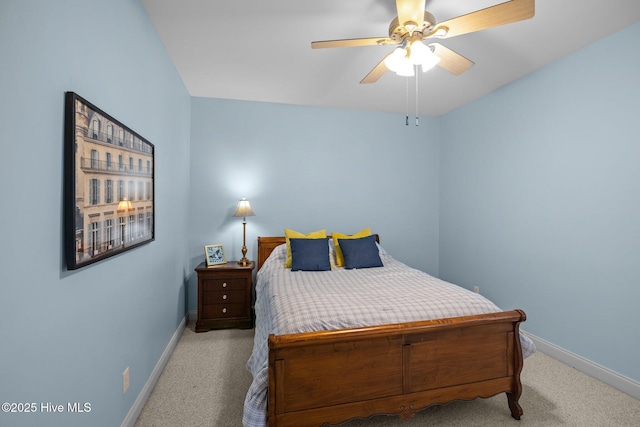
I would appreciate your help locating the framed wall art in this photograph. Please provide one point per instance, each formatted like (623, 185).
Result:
(108, 185)
(214, 255)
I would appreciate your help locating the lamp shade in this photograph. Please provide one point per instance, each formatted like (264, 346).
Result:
(124, 205)
(244, 209)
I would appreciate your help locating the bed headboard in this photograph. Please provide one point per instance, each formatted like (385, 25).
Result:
(267, 244)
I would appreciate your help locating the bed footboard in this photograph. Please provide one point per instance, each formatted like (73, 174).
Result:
(333, 376)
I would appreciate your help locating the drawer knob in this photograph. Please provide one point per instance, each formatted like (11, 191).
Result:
(224, 297)
(224, 310)
(224, 285)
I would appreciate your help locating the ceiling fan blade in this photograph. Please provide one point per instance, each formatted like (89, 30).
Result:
(371, 41)
(376, 73)
(500, 14)
(410, 11)
(451, 61)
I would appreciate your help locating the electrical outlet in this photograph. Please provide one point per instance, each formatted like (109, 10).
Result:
(125, 380)
(476, 289)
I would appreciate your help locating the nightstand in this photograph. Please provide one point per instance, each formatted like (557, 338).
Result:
(224, 296)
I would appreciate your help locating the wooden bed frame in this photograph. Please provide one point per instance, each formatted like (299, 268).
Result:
(330, 377)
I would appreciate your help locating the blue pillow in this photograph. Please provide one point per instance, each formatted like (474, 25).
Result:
(360, 253)
(309, 254)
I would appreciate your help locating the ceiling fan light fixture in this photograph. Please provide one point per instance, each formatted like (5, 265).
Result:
(406, 70)
(396, 60)
(429, 61)
(418, 52)
(422, 55)
(427, 66)
(399, 62)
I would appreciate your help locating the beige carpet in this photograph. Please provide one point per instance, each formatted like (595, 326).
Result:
(205, 382)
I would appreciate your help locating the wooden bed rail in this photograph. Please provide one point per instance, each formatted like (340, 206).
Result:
(333, 376)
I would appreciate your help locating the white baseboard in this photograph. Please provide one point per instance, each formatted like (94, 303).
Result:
(136, 408)
(599, 372)
(193, 315)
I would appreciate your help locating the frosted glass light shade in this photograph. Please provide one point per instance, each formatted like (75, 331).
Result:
(396, 60)
(406, 70)
(422, 55)
(399, 63)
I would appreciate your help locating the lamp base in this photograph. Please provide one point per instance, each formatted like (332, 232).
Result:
(244, 261)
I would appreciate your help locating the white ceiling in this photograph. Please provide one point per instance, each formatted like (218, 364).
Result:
(261, 50)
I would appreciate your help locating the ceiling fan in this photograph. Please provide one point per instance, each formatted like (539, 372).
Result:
(413, 24)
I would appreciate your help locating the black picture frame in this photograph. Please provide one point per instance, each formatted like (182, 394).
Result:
(109, 203)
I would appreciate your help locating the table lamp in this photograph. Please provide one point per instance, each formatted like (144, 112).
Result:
(244, 210)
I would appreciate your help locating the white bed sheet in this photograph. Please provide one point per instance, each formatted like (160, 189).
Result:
(291, 302)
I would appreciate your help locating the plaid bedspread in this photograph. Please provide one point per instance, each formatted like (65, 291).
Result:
(291, 302)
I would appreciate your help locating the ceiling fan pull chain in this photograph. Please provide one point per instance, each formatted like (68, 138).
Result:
(416, 73)
(407, 103)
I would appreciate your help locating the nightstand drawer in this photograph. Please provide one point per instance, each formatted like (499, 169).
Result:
(222, 311)
(224, 297)
(224, 284)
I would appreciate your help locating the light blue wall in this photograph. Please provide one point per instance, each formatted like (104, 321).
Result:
(68, 336)
(530, 193)
(540, 200)
(310, 168)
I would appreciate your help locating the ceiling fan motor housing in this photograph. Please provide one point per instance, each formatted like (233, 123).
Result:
(399, 32)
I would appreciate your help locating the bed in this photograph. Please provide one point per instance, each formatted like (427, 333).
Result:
(334, 345)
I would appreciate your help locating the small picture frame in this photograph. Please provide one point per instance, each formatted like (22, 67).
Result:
(214, 255)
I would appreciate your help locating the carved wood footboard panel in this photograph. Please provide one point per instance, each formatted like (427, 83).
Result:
(333, 376)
